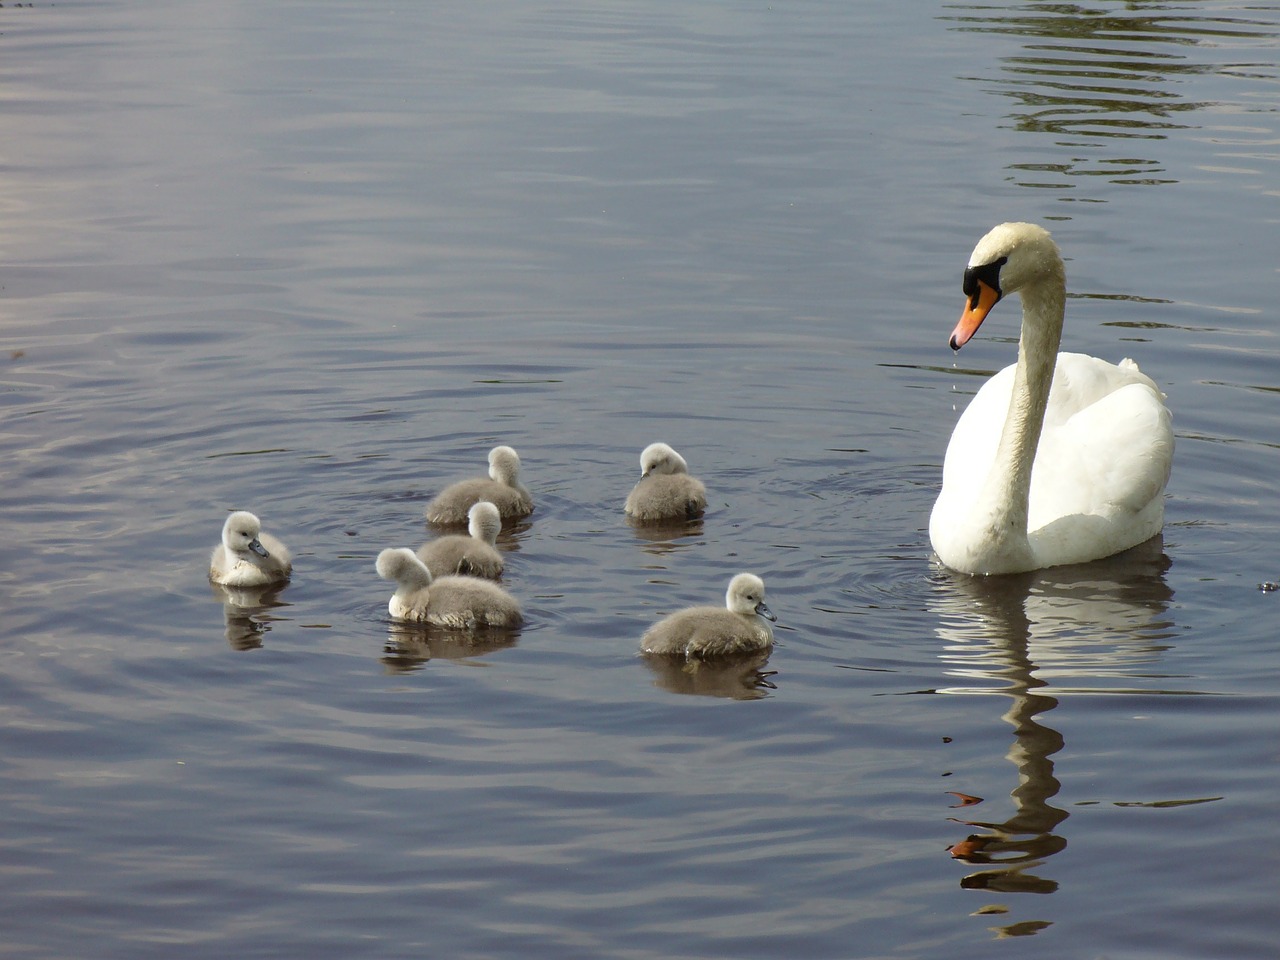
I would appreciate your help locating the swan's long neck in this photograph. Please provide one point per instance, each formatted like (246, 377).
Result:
(1008, 487)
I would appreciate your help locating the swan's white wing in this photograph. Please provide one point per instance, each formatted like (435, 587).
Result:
(1104, 458)
(1107, 444)
(973, 444)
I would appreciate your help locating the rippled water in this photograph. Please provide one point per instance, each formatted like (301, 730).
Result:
(315, 259)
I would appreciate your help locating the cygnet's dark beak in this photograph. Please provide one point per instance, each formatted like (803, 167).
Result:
(765, 612)
(258, 548)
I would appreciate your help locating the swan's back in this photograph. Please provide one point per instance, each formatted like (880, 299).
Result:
(1107, 443)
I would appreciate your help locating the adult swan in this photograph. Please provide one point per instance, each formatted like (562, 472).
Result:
(1051, 463)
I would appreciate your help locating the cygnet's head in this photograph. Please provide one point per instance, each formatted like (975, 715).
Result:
(660, 458)
(746, 596)
(240, 534)
(484, 522)
(504, 465)
(403, 566)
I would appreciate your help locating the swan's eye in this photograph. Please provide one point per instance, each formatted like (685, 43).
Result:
(988, 273)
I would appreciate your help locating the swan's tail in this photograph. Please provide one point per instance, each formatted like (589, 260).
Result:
(1132, 366)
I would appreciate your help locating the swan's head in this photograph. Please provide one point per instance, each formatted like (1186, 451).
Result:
(403, 566)
(504, 465)
(746, 596)
(660, 458)
(1012, 256)
(484, 522)
(240, 534)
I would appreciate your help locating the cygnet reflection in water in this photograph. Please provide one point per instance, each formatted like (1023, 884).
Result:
(246, 612)
(247, 557)
(410, 645)
(501, 488)
(661, 537)
(733, 678)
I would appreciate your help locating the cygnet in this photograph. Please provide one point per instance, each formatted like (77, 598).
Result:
(247, 557)
(501, 488)
(462, 602)
(699, 633)
(665, 490)
(473, 556)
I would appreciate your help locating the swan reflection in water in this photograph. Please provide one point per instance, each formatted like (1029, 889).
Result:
(1021, 637)
(246, 612)
(410, 645)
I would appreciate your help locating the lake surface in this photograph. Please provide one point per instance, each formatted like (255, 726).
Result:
(315, 259)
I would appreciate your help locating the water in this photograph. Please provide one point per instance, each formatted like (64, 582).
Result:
(315, 259)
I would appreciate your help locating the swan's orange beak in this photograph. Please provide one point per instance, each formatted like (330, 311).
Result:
(974, 313)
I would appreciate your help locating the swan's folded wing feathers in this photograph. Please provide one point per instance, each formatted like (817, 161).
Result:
(1081, 381)
(1110, 458)
(973, 444)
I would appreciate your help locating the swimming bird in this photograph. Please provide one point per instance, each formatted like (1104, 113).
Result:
(501, 488)
(247, 557)
(461, 602)
(473, 555)
(1060, 458)
(698, 633)
(665, 490)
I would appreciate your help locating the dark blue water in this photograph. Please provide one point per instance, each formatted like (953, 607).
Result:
(315, 259)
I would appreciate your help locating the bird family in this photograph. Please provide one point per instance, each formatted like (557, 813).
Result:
(1060, 458)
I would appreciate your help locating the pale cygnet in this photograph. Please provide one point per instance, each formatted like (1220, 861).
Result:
(665, 490)
(247, 557)
(463, 602)
(475, 555)
(703, 632)
(501, 488)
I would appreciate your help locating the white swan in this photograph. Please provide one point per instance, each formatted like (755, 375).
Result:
(501, 488)
(461, 602)
(247, 557)
(473, 554)
(665, 491)
(702, 632)
(1049, 464)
